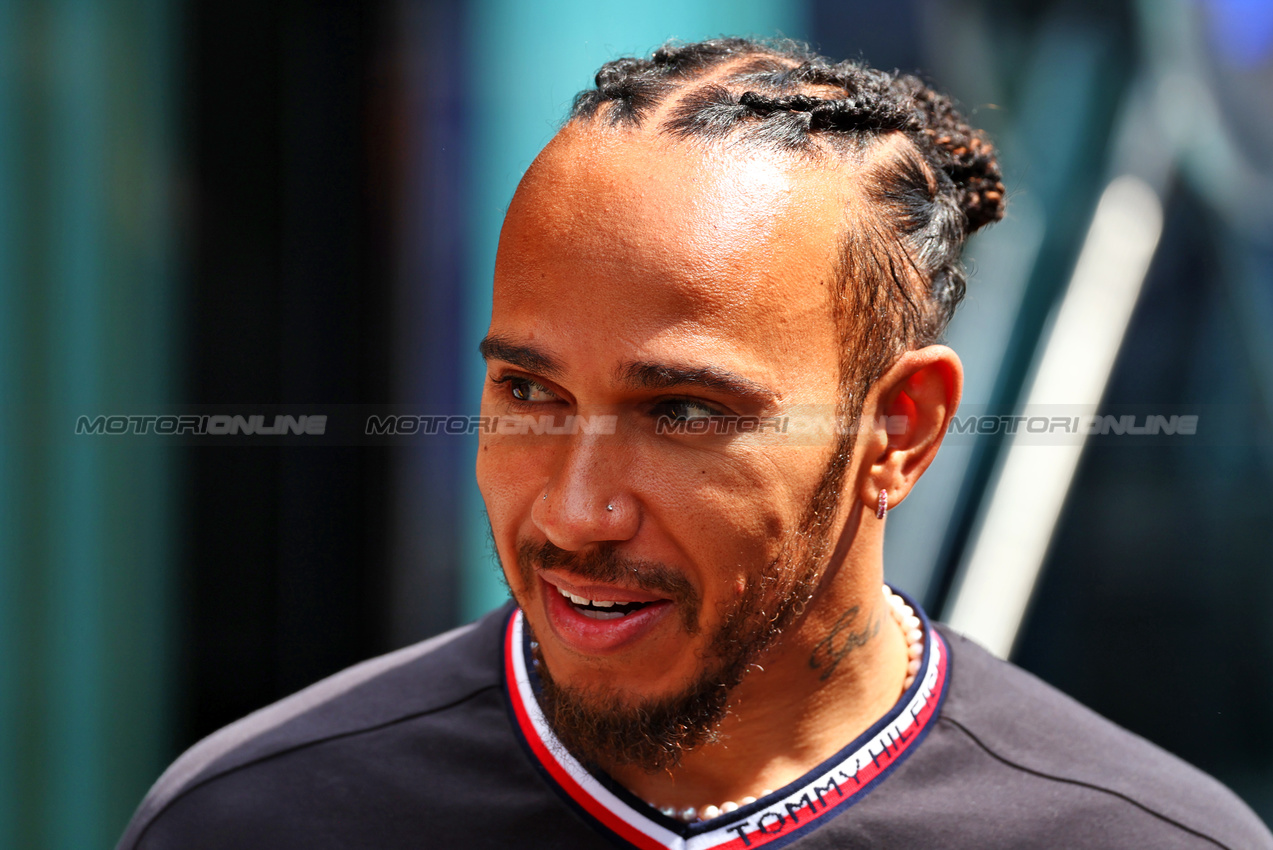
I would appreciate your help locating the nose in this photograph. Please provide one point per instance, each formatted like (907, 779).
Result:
(586, 500)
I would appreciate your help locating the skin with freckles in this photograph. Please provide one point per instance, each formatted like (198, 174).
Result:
(642, 277)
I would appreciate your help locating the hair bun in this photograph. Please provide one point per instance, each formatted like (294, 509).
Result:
(965, 154)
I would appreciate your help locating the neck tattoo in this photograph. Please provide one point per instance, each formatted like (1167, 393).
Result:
(909, 623)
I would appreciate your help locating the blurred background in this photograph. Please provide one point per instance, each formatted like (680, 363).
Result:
(224, 206)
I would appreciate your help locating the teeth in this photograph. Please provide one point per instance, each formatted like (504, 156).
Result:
(579, 600)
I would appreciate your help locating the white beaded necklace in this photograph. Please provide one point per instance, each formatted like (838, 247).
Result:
(911, 628)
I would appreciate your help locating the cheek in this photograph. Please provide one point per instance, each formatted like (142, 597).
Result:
(740, 507)
(492, 473)
(509, 479)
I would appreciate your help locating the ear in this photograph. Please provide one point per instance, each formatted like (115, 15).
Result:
(904, 420)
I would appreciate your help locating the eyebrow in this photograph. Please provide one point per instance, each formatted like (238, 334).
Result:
(526, 357)
(638, 375)
(663, 376)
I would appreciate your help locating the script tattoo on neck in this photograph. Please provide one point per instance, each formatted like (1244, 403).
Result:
(840, 641)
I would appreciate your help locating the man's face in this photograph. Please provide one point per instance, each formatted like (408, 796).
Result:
(641, 278)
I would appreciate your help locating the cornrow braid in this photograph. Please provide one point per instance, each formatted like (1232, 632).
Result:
(901, 277)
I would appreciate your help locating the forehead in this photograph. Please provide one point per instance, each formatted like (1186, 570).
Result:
(657, 239)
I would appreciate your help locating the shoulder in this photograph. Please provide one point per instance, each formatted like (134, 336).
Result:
(439, 684)
(1059, 750)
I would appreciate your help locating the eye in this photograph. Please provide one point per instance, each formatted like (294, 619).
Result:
(526, 390)
(685, 409)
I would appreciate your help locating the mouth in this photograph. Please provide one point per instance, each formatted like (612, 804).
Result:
(602, 609)
(599, 620)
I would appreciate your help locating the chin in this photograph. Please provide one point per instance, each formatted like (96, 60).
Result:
(609, 726)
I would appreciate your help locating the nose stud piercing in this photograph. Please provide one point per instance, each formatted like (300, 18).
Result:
(609, 507)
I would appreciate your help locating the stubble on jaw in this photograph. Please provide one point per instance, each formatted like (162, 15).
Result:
(601, 725)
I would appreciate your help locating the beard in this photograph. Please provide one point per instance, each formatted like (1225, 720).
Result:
(599, 724)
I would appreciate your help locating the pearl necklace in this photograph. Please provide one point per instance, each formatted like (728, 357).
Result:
(910, 625)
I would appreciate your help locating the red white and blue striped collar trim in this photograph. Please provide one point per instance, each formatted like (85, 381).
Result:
(773, 821)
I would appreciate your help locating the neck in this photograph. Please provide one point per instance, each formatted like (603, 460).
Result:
(830, 677)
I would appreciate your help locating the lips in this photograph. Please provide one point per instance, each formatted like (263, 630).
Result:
(599, 620)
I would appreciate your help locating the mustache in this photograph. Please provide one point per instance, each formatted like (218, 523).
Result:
(606, 565)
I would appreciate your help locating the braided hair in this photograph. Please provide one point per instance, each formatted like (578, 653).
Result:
(900, 277)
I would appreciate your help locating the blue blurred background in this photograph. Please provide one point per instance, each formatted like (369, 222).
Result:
(212, 203)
